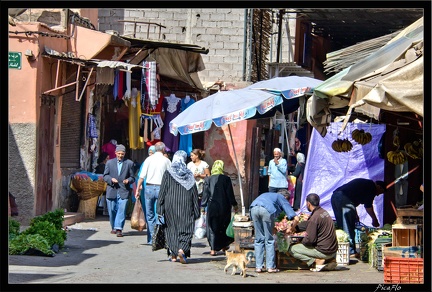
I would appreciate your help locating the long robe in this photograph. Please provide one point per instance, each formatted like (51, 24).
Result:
(180, 210)
(218, 197)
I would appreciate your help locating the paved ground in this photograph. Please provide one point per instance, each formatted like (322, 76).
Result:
(94, 256)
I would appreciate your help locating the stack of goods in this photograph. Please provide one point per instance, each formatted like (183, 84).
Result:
(342, 256)
(89, 186)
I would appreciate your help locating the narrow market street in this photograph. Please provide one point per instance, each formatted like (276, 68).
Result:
(94, 256)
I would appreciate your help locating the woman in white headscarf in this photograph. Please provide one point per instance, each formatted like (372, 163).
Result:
(178, 204)
(298, 173)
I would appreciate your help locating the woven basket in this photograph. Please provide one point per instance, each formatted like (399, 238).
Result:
(88, 207)
(87, 188)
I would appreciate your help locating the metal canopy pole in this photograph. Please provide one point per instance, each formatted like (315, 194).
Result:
(238, 171)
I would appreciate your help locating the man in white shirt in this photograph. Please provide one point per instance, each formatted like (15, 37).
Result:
(152, 171)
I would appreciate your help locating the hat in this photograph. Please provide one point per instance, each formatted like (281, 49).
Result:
(121, 148)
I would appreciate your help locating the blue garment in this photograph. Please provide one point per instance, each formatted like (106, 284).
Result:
(277, 174)
(275, 203)
(117, 210)
(264, 210)
(186, 140)
(264, 241)
(346, 216)
(151, 194)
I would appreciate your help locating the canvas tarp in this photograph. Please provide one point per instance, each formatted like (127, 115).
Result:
(325, 169)
(390, 78)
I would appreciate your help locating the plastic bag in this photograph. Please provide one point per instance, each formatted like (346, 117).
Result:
(230, 229)
(137, 218)
(200, 227)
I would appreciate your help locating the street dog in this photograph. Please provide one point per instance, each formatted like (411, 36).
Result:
(236, 260)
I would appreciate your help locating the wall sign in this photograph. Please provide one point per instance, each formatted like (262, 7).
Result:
(14, 60)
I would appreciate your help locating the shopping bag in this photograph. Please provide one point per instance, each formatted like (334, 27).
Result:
(158, 239)
(137, 217)
(200, 227)
(230, 229)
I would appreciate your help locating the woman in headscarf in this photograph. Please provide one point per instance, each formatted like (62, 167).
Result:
(178, 204)
(298, 173)
(218, 198)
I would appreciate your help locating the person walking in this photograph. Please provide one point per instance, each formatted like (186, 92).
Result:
(277, 172)
(298, 173)
(320, 242)
(347, 197)
(199, 168)
(151, 150)
(152, 171)
(119, 176)
(178, 205)
(264, 210)
(217, 201)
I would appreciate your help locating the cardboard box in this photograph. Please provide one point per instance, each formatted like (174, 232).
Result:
(342, 255)
(403, 251)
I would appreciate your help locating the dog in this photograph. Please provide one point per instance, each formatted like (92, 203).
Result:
(236, 260)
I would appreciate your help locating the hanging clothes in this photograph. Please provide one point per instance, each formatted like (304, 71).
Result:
(186, 140)
(116, 83)
(171, 108)
(151, 83)
(135, 141)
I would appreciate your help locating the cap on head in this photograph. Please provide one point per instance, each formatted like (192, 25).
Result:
(121, 148)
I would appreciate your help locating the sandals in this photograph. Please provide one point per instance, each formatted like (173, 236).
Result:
(172, 259)
(275, 270)
(182, 257)
(318, 268)
(259, 270)
(119, 233)
(213, 253)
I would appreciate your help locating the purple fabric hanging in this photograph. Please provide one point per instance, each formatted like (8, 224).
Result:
(326, 169)
(91, 130)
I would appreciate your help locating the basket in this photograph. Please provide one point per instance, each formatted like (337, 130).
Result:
(88, 207)
(87, 188)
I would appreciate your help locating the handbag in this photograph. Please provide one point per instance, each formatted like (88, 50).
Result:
(137, 217)
(230, 229)
(158, 239)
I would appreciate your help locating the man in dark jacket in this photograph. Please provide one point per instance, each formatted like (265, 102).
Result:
(119, 176)
(347, 197)
(320, 242)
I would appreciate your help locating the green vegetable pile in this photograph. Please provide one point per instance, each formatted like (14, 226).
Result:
(44, 234)
(342, 236)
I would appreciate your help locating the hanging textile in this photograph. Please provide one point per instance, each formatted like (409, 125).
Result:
(151, 83)
(128, 92)
(116, 84)
(171, 108)
(134, 122)
(185, 143)
(91, 126)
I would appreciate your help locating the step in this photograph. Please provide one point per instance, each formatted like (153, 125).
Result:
(71, 218)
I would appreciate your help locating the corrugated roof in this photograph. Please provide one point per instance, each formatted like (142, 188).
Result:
(147, 44)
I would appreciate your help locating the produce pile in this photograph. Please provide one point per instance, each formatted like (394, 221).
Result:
(284, 232)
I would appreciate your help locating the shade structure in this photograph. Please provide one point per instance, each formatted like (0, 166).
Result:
(224, 108)
(390, 78)
(221, 108)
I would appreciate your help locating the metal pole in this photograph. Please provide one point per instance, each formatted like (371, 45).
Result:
(238, 171)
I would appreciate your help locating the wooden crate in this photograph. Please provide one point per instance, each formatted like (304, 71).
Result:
(243, 238)
(409, 216)
(406, 234)
(285, 261)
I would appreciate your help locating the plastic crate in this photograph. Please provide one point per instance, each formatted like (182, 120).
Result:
(342, 255)
(376, 259)
(403, 270)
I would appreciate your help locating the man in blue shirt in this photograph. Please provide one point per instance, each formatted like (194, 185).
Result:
(264, 210)
(277, 171)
